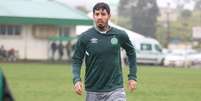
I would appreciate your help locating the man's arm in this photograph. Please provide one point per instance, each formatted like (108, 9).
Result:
(130, 52)
(76, 65)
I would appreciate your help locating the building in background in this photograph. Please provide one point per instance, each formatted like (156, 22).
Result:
(27, 25)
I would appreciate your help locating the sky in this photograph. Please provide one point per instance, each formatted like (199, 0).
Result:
(90, 3)
(163, 3)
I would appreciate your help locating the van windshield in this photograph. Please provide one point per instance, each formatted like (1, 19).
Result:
(158, 48)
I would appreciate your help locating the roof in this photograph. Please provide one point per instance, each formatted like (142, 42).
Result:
(40, 12)
(61, 38)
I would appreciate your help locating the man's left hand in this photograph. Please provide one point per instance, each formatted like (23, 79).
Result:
(132, 85)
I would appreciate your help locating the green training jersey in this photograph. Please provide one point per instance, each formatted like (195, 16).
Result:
(103, 70)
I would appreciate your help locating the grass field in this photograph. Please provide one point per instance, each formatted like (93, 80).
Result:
(53, 82)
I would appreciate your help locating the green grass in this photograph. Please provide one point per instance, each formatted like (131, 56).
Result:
(53, 82)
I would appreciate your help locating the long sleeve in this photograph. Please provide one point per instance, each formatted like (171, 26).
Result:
(77, 60)
(5, 93)
(7, 96)
(130, 52)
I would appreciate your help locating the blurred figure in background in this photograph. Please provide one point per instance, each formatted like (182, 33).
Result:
(61, 50)
(12, 55)
(2, 52)
(68, 50)
(53, 49)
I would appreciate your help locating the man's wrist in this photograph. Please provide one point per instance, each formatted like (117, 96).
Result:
(76, 80)
(132, 80)
(131, 77)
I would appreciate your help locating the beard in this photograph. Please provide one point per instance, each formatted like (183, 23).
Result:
(101, 26)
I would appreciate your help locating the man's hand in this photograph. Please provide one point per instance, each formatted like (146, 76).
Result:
(132, 85)
(78, 87)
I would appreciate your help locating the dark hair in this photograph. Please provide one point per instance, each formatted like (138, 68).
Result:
(102, 6)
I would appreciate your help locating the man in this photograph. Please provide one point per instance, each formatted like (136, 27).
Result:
(61, 50)
(68, 50)
(2, 52)
(100, 46)
(53, 49)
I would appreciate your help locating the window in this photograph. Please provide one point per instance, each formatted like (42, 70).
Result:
(2, 29)
(64, 31)
(158, 48)
(145, 47)
(10, 30)
(44, 31)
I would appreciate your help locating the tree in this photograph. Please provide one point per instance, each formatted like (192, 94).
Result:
(181, 4)
(185, 14)
(144, 17)
(124, 8)
(82, 8)
(125, 13)
(197, 5)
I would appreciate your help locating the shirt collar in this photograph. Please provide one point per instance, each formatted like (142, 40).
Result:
(103, 32)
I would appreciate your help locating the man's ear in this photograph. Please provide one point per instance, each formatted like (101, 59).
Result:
(93, 14)
(109, 16)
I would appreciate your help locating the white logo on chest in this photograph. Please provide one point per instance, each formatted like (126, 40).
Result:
(94, 40)
(114, 41)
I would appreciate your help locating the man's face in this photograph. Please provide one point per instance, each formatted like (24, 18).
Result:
(101, 18)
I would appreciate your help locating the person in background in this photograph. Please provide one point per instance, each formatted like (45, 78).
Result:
(3, 53)
(61, 50)
(53, 49)
(100, 46)
(68, 50)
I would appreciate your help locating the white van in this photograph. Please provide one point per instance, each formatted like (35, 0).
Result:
(148, 51)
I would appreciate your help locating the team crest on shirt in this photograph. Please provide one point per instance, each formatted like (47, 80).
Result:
(114, 41)
(94, 40)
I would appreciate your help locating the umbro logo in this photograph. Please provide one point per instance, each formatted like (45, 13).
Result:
(94, 40)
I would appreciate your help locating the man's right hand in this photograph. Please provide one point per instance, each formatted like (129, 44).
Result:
(78, 87)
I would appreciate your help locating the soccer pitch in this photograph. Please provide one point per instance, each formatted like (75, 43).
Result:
(53, 82)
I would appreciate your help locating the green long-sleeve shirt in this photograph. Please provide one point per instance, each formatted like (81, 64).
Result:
(103, 70)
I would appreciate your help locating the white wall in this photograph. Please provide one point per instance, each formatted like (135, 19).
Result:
(34, 48)
(28, 47)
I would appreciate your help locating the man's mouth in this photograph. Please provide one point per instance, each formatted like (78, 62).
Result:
(99, 21)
